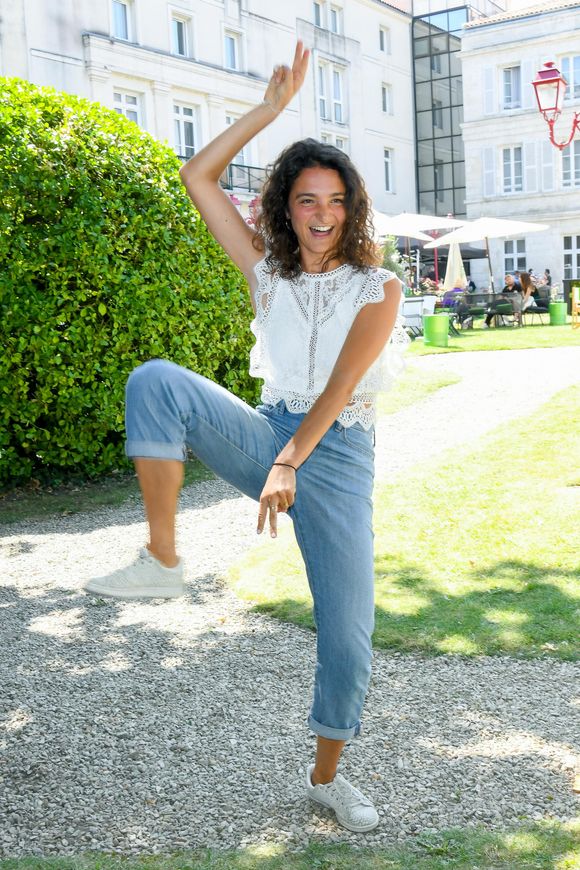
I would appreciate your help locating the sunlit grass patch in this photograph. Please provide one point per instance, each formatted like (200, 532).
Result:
(543, 846)
(473, 555)
(508, 338)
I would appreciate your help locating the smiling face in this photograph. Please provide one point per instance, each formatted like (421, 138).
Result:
(316, 209)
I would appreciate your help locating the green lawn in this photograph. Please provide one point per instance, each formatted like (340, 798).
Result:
(503, 338)
(472, 555)
(543, 846)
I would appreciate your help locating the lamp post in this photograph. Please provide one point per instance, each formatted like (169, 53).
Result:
(550, 87)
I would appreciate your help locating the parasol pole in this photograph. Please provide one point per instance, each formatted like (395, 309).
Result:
(489, 264)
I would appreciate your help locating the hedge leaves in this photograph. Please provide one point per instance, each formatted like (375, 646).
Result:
(104, 264)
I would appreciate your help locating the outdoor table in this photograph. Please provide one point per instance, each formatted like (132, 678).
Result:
(436, 330)
(557, 313)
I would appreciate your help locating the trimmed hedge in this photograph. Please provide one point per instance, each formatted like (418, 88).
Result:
(105, 264)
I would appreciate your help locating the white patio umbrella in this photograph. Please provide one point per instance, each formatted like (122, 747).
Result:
(487, 228)
(412, 226)
(389, 226)
(455, 272)
(408, 223)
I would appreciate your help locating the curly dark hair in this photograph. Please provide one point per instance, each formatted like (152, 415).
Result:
(274, 233)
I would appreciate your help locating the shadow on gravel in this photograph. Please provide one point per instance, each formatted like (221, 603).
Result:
(198, 496)
(122, 719)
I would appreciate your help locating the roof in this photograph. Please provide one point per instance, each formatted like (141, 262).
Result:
(525, 12)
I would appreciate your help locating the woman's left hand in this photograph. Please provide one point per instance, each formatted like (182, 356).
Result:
(277, 496)
(286, 82)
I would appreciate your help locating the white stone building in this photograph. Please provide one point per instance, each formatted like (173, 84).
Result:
(512, 170)
(184, 69)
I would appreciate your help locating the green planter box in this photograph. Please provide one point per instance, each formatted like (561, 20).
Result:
(557, 313)
(436, 330)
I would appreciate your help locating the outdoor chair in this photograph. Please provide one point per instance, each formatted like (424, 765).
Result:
(540, 308)
(428, 305)
(505, 315)
(412, 313)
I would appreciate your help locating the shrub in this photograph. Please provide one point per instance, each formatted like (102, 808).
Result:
(105, 264)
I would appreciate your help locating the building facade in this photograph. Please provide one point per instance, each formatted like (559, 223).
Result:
(185, 69)
(512, 170)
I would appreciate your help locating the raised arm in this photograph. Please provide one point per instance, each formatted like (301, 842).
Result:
(201, 174)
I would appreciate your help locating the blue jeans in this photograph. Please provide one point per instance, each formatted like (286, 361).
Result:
(170, 408)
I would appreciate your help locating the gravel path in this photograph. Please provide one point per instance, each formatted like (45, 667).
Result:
(149, 727)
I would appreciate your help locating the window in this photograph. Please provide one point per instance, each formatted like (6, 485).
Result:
(571, 165)
(571, 71)
(387, 98)
(243, 156)
(128, 105)
(339, 142)
(512, 170)
(514, 255)
(179, 41)
(232, 50)
(571, 257)
(337, 96)
(322, 99)
(121, 20)
(438, 179)
(385, 40)
(436, 63)
(330, 82)
(512, 98)
(438, 114)
(184, 130)
(388, 159)
(335, 19)
(318, 15)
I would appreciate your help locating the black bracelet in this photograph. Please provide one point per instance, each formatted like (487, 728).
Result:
(285, 464)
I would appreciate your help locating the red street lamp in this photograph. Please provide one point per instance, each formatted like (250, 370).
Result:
(550, 87)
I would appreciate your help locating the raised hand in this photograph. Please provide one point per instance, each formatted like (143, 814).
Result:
(286, 82)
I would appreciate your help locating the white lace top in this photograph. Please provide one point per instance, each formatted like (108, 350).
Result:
(300, 327)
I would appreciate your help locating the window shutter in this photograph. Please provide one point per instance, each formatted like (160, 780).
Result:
(489, 90)
(547, 166)
(488, 163)
(528, 96)
(530, 167)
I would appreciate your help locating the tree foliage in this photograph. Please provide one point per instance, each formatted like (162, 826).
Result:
(391, 257)
(105, 264)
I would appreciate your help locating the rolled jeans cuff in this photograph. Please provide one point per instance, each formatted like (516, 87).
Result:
(155, 450)
(333, 733)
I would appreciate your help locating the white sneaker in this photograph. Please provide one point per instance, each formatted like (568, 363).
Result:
(353, 810)
(145, 578)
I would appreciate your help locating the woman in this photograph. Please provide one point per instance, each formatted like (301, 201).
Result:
(527, 291)
(322, 318)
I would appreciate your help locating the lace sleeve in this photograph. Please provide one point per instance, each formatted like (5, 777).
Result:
(263, 293)
(372, 289)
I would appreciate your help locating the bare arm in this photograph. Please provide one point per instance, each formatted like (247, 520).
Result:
(201, 174)
(364, 343)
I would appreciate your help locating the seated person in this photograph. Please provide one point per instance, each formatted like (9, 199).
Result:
(451, 297)
(512, 292)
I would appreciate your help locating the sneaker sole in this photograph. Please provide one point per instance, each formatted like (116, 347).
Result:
(357, 829)
(149, 592)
